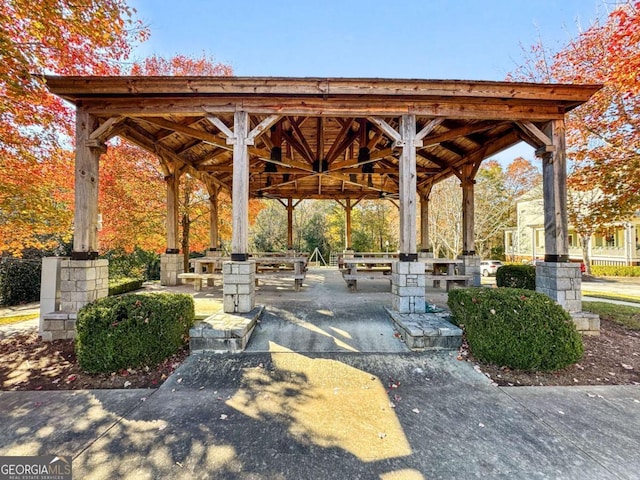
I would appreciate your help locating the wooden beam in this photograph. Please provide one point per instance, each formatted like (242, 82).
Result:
(427, 129)
(337, 147)
(220, 125)
(85, 223)
(386, 128)
(407, 189)
(468, 210)
(296, 145)
(535, 133)
(107, 130)
(262, 127)
(459, 132)
(213, 191)
(554, 186)
(205, 136)
(240, 187)
(295, 125)
(460, 108)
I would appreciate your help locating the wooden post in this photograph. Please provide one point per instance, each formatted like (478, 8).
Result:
(468, 210)
(240, 190)
(213, 216)
(85, 225)
(347, 234)
(424, 220)
(554, 186)
(407, 188)
(290, 224)
(173, 189)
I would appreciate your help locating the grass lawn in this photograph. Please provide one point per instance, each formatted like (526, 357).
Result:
(622, 314)
(612, 296)
(18, 318)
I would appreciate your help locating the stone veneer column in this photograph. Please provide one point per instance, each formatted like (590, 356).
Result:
(562, 281)
(408, 287)
(81, 282)
(238, 286)
(471, 266)
(171, 264)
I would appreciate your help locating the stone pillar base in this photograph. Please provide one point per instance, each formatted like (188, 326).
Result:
(408, 287)
(171, 264)
(471, 266)
(238, 291)
(81, 282)
(562, 282)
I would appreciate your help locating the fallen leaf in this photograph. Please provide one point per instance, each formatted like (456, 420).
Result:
(162, 427)
(179, 380)
(481, 425)
(415, 410)
(127, 384)
(560, 412)
(381, 435)
(71, 378)
(223, 416)
(626, 367)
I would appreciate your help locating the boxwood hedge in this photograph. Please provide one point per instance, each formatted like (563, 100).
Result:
(516, 276)
(516, 328)
(132, 330)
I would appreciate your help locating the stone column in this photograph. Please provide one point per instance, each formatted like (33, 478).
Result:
(408, 287)
(470, 266)
(81, 282)
(239, 286)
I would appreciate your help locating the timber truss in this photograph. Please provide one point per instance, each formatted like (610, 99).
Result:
(320, 138)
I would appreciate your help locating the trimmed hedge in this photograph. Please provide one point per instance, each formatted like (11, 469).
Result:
(516, 276)
(132, 330)
(124, 285)
(19, 280)
(516, 328)
(615, 271)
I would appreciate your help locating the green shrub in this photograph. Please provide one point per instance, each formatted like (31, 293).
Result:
(615, 271)
(124, 285)
(516, 276)
(137, 264)
(516, 328)
(132, 330)
(19, 280)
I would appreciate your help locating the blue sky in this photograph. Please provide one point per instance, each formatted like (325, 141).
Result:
(436, 39)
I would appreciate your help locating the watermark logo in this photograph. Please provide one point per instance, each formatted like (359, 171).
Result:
(42, 467)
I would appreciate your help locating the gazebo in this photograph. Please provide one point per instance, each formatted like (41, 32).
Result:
(345, 139)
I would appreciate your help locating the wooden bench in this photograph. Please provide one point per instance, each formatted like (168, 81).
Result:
(288, 267)
(197, 278)
(463, 280)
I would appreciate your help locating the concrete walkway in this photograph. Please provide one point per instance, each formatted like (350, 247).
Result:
(288, 415)
(306, 403)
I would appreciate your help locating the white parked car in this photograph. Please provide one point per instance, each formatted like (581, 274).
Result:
(489, 267)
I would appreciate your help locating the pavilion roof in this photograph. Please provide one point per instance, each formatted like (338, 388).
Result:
(333, 133)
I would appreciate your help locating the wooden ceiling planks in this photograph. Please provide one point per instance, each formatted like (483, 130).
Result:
(337, 136)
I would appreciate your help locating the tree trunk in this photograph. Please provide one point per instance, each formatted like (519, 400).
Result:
(585, 240)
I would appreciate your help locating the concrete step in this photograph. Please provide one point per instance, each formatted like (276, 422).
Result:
(224, 332)
(426, 331)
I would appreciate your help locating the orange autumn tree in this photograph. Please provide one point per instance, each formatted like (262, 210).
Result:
(193, 196)
(603, 135)
(59, 37)
(131, 200)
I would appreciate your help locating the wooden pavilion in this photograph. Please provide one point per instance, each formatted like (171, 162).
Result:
(345, 139)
